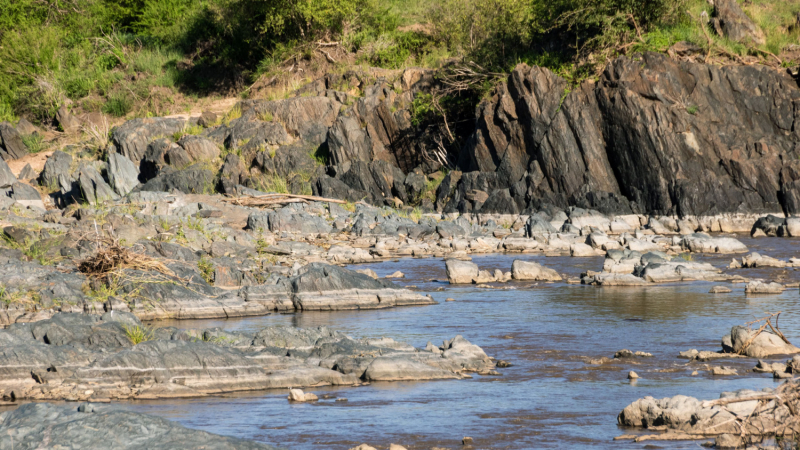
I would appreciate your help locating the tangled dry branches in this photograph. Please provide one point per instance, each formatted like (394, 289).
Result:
(111, 257)
(767, 323)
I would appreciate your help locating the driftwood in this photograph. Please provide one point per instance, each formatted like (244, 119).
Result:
(278, 199)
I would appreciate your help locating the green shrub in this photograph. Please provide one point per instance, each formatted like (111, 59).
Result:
(34, 142)
(118, 105)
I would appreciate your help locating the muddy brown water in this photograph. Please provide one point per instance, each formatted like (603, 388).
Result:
(549, 398)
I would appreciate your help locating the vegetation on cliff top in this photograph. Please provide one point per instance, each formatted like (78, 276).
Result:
(151, 57)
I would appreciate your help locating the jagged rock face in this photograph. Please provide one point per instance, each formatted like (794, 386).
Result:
(11, 145)
(132, 138)
(670, 137)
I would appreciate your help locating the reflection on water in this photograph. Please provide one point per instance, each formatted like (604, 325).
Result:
(549, 398)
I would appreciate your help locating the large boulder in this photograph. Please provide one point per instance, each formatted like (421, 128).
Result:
(461, 272)
(58, 165)
(122, 173)
(132, 137)
(286, 219)
(765, 344)
(192, 180)
(734, 24)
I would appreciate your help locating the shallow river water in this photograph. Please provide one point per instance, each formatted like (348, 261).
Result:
(550, 398)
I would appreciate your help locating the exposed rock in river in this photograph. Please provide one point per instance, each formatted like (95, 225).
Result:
(85, 357)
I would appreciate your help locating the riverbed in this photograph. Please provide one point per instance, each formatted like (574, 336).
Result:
(552, 395)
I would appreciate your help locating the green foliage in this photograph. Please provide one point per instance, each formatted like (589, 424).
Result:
(138, 334)
(34, 142)
(686, 256)
(118, 105)
(206, 268)
(187, 130)
(692, 109)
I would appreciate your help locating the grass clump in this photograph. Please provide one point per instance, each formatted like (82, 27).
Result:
(138, 334)
(190, 130)
(35, 143)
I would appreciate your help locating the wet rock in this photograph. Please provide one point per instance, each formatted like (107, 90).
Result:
(43, 422)
(529, 270)
(632, 375)
(723, 370)
(461, 272)
(364, 447)
(720, 290)
(758, 287)
(297, 395)
(397, 274)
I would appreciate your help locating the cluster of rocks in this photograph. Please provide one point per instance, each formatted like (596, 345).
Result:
(113, 356)
(735, 419)
(466, 272)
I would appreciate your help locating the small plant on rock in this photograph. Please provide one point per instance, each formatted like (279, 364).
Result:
(138, 334)
(206, 269)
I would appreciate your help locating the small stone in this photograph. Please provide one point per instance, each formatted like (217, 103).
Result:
(397, 274)
(396, 447)
(450, 300)
(694, 373)
(720, 290)
(723, 370)
(466, 441)
(632, 375)
(503, 364)
(364, 447)
(86, 408)
(341, 399)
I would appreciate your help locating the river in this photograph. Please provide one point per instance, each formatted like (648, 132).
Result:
(549, 398)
